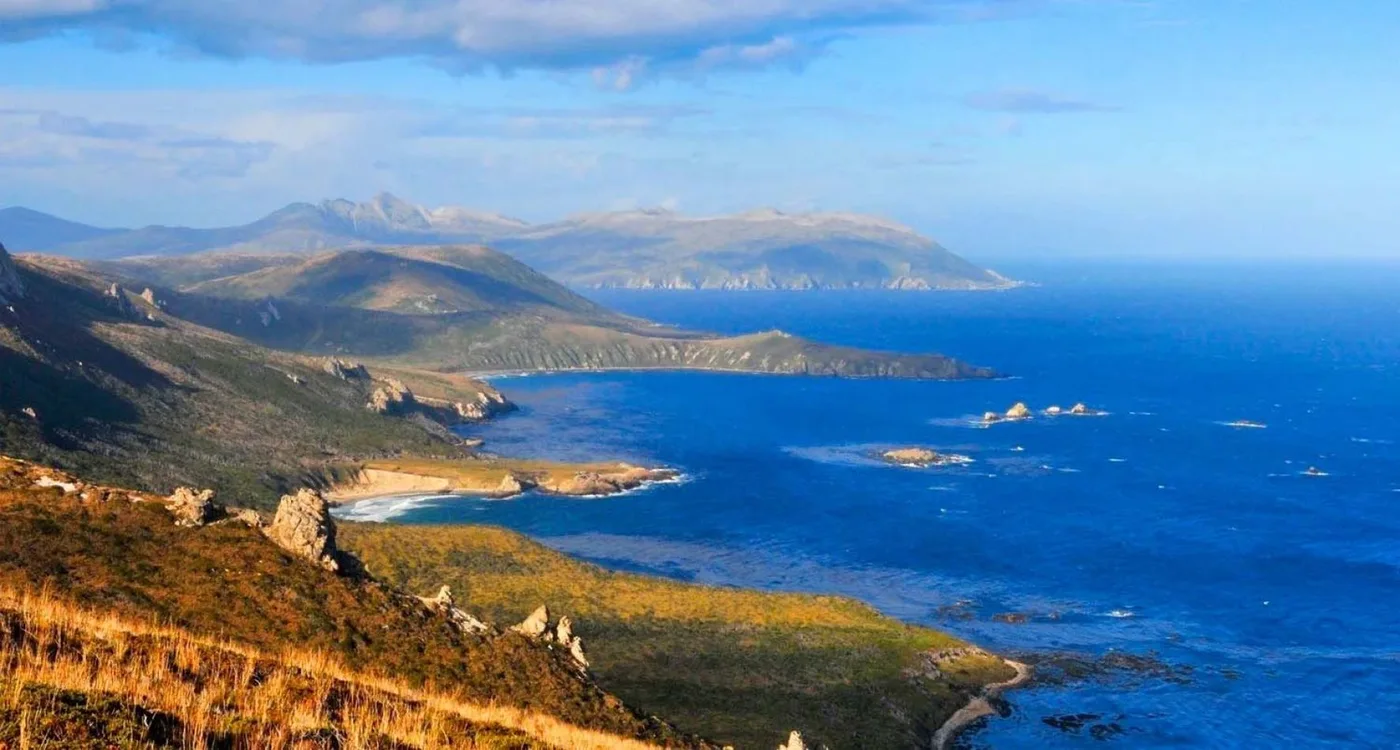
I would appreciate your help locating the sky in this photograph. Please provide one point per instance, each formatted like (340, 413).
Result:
(1003, 128)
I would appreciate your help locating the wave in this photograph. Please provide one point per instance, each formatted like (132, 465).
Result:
(381, 509)
(1121, 614)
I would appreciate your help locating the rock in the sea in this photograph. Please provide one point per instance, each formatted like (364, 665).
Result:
(11, 287)
(991, 416)
(192, 507)
(1019, 411)
(1082, 410)
(1054, 410)
(303, 526)
(794, 742)
(912, 456)
(607, 482)
(536, 624)
(346, 370)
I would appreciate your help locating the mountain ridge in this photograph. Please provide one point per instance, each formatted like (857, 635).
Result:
(650, 248)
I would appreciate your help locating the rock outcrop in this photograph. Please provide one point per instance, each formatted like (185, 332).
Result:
(510, 487)
(444, 604)
(346, 370)
(911, 456)
(269, 313)
(11, 287)
(303, 526)
(599, 483)
(1019, 411)
(192, 507)
(487, 405)
(392, 397)
(118, 299)
(537, 626)
(794, 742)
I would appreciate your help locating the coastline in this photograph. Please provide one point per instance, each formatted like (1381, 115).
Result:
(979, 706)
(489, 375)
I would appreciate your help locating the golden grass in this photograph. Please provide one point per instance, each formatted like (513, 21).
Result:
(218, 690)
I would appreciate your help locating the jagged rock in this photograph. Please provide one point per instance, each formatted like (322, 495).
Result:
(121, 303)
(1080, 410)
(11, 287)
(391, 397)
(444, 604)
(794, 742)
(346, 370)
(192, 507)
(150, 296)
(28, 411)
(488, 404)
(303, 526)
(535, 625)
(991, 416)
(564, 636)
(1019, 411)
(296, 379)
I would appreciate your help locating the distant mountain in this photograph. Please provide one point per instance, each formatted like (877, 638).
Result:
(650, 249)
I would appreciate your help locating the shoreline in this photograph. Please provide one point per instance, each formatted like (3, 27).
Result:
(979, 706)
(489, 375)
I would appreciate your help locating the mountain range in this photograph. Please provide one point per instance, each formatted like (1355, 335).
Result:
(642, 249)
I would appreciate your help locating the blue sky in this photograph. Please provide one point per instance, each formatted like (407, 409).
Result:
(1004, 128)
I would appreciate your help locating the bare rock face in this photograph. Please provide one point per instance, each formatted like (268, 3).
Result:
(610, 482)
(346, 370)
(794, 742)
(192, 507)
(149, 296)
(510, 487)
(487, 405)
(392, 397)
(1019, 411)
(248, 516)
(303, 526)
(11, 287)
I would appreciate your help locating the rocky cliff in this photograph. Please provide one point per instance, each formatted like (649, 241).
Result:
(11, 287)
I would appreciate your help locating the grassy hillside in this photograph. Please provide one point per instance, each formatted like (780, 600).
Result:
(121, 390)
(229, 583)
(737, 666)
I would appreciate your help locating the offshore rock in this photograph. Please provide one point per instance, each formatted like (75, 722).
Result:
(487, 405)
(303, 526)
(1019, 411)
(192, 507)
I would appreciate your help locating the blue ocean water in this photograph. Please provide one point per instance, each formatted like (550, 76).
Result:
(1156, 528)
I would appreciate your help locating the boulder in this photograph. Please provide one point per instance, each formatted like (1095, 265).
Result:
(1054, 410)
(11, 287)
(303, 526)
(248, 516)
(535, 625)
(991, 416)
(1079, 409)
(192, 507)
(1019, 411)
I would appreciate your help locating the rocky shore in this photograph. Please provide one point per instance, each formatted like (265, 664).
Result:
(495, 478)
(921, 458)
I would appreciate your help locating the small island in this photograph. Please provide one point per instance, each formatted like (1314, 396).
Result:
(922, 458)
(1017, 413)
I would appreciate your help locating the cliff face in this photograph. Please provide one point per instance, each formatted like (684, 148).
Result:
(11, 287)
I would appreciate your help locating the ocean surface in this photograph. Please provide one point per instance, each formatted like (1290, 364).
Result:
(1153, 529)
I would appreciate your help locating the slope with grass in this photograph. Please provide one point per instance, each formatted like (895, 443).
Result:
(456, 308)
(119, 389)
(241, 598)
(738, 666)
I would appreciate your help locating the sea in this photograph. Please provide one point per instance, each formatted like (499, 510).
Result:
(1259, 565)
